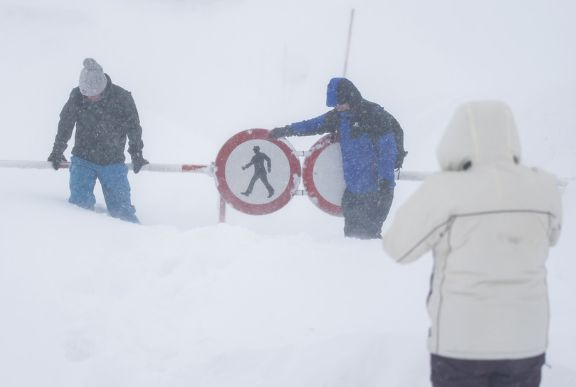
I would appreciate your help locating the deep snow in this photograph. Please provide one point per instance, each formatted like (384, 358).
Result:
(275, 300)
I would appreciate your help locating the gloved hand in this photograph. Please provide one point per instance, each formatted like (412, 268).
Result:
(138, 162)
(280, 132)
(56, 159)
(385, 185)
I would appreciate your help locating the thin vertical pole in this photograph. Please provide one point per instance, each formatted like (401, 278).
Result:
(222, 212)
(348, 42)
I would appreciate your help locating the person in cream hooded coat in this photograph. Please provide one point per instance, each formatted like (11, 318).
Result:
(489, 222)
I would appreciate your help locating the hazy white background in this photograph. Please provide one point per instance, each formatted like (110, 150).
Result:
(275, 300)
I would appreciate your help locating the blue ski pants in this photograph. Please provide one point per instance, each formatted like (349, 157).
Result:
(115, 187)
(364, 214)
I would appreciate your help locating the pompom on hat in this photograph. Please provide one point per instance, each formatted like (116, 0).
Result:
(92, 78)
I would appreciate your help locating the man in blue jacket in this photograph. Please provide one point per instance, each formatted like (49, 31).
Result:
(372, 148)
(104, 115)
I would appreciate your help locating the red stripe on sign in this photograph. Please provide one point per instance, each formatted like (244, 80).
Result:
(192, 167)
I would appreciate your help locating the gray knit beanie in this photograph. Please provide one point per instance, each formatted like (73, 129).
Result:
(92, 78)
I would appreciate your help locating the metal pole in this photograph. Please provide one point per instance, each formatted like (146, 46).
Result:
(222, 210)
(348, 42)
(209, 170)
(186, 168)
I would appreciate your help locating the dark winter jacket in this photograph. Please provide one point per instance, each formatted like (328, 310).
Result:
(101, 127)
(367, 137)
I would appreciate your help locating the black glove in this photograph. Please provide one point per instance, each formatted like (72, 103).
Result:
(56, 159)
(280, 132)
(400, 160)
(138, 162)
(384, 185)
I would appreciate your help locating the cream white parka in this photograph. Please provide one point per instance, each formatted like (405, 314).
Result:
(489, 222)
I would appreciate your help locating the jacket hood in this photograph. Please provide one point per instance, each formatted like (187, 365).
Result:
(341, 91)
(480, 133)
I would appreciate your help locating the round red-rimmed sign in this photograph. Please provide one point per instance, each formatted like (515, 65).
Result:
(323, 175)
(256, 174)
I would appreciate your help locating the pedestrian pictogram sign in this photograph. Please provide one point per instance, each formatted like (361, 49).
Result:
(323, 175)
(257, 174)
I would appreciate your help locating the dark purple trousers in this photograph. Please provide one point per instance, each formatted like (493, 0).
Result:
(449, 372)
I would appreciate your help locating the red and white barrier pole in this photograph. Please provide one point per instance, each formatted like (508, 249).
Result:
(209, 170)
(411, 175)
(190, 168)
(23, 164)
(186, 168)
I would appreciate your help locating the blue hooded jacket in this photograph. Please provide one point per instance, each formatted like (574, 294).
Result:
(367, 137)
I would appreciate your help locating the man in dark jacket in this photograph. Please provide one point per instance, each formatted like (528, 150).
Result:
(104, 115)
(372, 146)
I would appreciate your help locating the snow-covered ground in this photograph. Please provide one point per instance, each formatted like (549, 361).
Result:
(275, 300)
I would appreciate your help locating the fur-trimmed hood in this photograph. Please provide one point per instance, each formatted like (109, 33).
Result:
(480, 132)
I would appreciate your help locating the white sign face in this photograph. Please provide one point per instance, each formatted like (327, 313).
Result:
(256, 174)
(328, 174)
(257, 171)
(323, 175)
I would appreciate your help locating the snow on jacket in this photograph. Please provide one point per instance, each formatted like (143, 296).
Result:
(489, 222)
(367, 137)
(101, 127)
